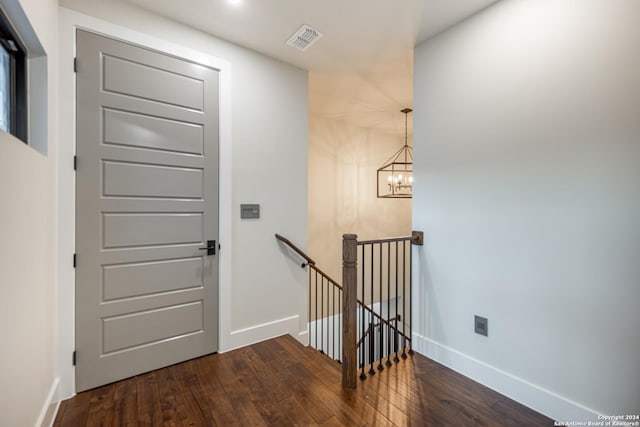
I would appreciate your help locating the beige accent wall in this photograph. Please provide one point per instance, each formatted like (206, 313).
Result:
(343, 160)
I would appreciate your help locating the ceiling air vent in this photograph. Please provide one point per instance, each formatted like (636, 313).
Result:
(304, 37)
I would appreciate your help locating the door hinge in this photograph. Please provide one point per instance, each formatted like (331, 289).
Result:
(75, 163)
(74, 260)
(74, 358)
(75, 65)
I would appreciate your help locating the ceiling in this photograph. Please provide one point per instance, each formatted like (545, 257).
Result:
(361, 69)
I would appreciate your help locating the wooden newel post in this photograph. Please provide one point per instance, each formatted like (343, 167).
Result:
(349, 309)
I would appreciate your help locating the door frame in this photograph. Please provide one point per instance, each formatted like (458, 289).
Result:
(69, 21)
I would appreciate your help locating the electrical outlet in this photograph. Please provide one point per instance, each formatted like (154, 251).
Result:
(481, 325)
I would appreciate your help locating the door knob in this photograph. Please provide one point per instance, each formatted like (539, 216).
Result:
(211, 247)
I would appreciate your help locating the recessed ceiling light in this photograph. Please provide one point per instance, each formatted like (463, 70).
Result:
(235, 1)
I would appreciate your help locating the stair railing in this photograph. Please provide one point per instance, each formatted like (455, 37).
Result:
(325, 313)
(385, 285)
(369, 318)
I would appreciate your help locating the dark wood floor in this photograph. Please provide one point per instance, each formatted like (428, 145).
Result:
(281, 383)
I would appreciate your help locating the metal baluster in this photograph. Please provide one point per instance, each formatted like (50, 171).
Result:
(309, 312)
(371, 320)
(333, 336)
(388, 363)
(363, 376)
(395, 359)
(316, 313)
(328, 284)
(404, 300)
(380, 366)
(340, 325)
(322, 314)
(410, 296)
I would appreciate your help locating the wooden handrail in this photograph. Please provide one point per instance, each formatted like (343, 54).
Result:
(389, 239)
(416, 238)
(296, 250)
(326, 276)
(375, 325)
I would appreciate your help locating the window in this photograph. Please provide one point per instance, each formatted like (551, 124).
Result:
(13, 82)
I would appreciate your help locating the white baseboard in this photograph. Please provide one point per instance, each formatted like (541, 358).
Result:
(530, 395)
(265, 331)
(303, 337)
(50, 407)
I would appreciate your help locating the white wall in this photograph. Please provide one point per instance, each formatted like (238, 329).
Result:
(27, 252)
(527, 145)
(343, 160)
(267, 165)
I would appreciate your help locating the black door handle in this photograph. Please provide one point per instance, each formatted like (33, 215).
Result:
(211, 247)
